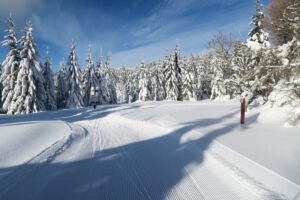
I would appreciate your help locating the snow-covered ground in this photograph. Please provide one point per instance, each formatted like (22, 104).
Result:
(153, 150)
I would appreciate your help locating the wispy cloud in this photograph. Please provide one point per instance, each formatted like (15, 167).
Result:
(191, 41)
(130, 29)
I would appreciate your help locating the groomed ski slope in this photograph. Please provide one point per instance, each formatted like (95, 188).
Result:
(154, 150)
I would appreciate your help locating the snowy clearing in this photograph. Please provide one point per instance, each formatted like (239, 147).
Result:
(153, 150)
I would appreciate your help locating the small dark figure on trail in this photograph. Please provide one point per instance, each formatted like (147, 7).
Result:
(94, 106)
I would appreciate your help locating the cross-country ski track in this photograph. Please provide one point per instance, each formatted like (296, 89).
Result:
(113, 153)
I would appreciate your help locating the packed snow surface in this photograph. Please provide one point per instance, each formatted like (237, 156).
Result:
(153, 150)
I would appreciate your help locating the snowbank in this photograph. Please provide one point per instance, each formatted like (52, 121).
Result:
(21, 142)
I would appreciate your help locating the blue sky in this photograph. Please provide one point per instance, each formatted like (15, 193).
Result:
(128, 29)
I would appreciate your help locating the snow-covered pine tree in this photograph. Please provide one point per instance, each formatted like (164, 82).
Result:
(164, 67)
(103, 90)
(134, 86)
(29, 93)
(109, 81)
(111, 90)
(158, 93)
(241, 67)
(188, 87)
(259, 39)
(198, 76)
(171, 84)
(10, 66)
(99, 66)
(260, 78)
(123, 85)
(132, 90)
(47, 73)
(144, 84)
(89, 79)
(74, 81)
(218, 85)
(61, 87)
(222, 46)
(177, 66)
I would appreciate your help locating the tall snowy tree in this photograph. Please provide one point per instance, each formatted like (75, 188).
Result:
(133, 87)
(241, 67)
(260, 79)
(188, 87)
(100, 72)
(49, 84)
(221, 45)
(74, 81)
(61, 87)
(89, 79)
(144, 84)
(109, 81)
(171, 83)
(10, 66)
(158, 91)
(123, 85)
(218, 90)
(29, 93)
(177, 67)
(259, 39)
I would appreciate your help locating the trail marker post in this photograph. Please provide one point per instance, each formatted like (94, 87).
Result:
(243, 110)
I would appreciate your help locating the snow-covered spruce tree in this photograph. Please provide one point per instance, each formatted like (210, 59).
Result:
(258, 87)
(122, 85)
(259, 39)
(29, 93)
(89, 79)
(177, 67)
(103, 90)
(10, 66)
(47, 73)
(61, 86)
(201, 76)
(218, 85)
(240, 67)
(188, 87)
(164, 67)
(171, 84)
(109, 76)
(74, 81)
(221, 46)
(157, 82)
(144, 84)
(260, 78)
(134, 87)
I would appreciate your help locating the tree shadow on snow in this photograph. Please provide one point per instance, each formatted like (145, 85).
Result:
(142, 170)
(67, 115)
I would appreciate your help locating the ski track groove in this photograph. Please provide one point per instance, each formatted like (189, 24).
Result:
(18, 176)
(114, 139)
(101, 134)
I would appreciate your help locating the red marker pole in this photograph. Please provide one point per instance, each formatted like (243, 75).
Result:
(243, 110)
